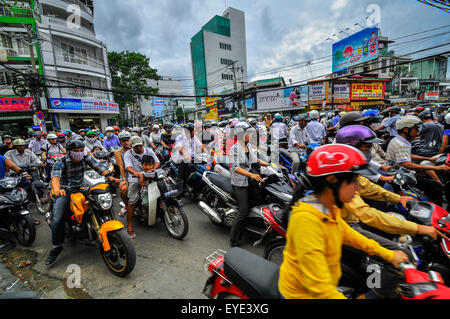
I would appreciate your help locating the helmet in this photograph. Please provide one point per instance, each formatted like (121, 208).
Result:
(407, 121)
(242, 127)
(37, 133)
(73, 144)
(60, 134)
(425, 115)
(116, 128)
(51, 137)
(296, 118)
(419, 109)
(93, 133)
(355, 135)
(19, 142)
(335, 159)
(278, 118)
(190, 127)
(351, 118)
(314, 115)
(167, 125)
(101, 154)
(135, 141)
(109, 129)
(234, 123)
(124, 135)
(155, 127)
(136, 129)
(7, 136)
(395, 109)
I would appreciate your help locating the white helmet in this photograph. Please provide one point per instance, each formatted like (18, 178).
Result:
(109, 128)
(314, 115)
(51, 137)
(407, 121)
(124, 135)
(155, 127)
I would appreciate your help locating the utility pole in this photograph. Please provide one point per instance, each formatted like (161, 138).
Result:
(233, 69)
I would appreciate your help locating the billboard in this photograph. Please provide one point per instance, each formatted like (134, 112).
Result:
(86, 105)
(12, 104)
(211, 103)
(356, 49)
(296, 97)
(367, 91)
(316, 93)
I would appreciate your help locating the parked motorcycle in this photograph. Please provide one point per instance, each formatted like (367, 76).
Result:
(37, 190)
(219, 203)
(92, 222)
(162, 200)
(15, 219)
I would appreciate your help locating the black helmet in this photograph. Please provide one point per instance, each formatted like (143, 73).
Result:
(395, 109)
(101, 155)
(73, 144)
(351, 118)
(425, 115)
(190, 127)
(7, 136)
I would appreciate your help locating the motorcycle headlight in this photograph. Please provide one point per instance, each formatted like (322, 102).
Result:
(161, 174)
(105, 201)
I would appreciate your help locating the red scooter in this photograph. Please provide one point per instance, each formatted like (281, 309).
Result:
(239, 274)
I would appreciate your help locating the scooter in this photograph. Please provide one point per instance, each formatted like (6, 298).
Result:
(15, 219)
(219, 203)
(239, 274)
(162, 199)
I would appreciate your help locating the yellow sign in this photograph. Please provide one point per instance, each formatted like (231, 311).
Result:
(367, 91)
(211, 104)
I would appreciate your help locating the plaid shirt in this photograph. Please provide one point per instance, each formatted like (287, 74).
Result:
(399, 150)
(72, 174)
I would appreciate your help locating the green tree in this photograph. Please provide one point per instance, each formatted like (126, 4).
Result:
(179, 113)
(129, 70)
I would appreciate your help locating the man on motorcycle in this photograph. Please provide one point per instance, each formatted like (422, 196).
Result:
(167, 140)
(430, 135)
(316, 131)
(311, 265)
(51, 149)
(61, 139)
(91, 141)
(7, 144)
(111, 139)
(399, 152)
(298, 141)
(124, 138)
(145, 139)
(279, 130)
(37, 143)
(155, 137)
(133, 165)
(69, 172)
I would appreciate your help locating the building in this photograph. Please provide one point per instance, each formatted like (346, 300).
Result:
(72, 56)
(219, 54)
(17, 32)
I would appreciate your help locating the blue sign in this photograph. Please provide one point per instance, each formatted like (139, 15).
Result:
(40, 115)
(66, 104)
(356, 49)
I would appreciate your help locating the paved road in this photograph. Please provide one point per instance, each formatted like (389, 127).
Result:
(165, 268)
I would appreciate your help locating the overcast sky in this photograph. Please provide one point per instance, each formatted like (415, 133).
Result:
(279, 33)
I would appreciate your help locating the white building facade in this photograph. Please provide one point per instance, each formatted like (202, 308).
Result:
(72, 56)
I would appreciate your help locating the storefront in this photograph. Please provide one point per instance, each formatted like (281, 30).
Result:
(75, 114)
(17, 116)
(367, 93)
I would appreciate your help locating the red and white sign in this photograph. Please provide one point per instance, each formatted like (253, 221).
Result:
(13, 104)
(431, 96)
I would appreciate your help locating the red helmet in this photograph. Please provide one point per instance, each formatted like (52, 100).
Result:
(337, 158)
(116, 128)
(60, 134)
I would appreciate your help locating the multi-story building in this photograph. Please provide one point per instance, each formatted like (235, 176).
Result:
(17, 33)
(219, 54)
(76, 64)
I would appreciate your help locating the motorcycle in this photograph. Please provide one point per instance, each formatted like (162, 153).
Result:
(112, 160)
(194, 183)
(92, 222)
(218, 202)
(162, 199)
(239, 274)
(15, 219)
(286, 162)
(37, 190)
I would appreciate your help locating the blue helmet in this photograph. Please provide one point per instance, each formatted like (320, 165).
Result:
(278, 118)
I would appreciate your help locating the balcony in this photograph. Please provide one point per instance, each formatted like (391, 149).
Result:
(18, 52)
(11, 11)
(78, 30)
(84, 94)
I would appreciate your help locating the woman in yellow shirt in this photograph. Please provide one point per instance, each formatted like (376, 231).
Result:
(316, 232)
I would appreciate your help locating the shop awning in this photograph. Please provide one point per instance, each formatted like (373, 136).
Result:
(16, 117)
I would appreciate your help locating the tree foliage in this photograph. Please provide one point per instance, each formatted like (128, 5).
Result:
(129, 70)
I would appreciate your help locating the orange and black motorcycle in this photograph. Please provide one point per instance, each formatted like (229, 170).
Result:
(92, 222)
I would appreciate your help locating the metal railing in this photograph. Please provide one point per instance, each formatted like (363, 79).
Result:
(81, 29)
(10, 11)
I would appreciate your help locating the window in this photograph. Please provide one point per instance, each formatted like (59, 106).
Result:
(6, 41)
(384, 69)
(227, 77)
(226, 61)
(80, 92)
(7, 78)
(225, 46)
(73, 54)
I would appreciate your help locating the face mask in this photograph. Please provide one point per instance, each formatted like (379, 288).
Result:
(91, 139)
(110, 135)
(368, 156)
(375, 126)
(77, 156)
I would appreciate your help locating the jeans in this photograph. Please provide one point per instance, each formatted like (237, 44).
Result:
(241, 194)
(58, 220)
(295, 161)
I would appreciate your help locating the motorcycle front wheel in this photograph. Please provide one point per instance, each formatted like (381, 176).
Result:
(176, 221)
(25, 230)
(44, 203)
(121, 258)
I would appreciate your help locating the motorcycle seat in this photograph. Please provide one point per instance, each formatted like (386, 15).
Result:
(255, 276)
(285, 153)
(281, 216)
(223, 182)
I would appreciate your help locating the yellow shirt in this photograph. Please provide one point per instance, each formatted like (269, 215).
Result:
(311, 264)
(358, 210)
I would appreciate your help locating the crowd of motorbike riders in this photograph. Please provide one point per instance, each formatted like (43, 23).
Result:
(349, 167)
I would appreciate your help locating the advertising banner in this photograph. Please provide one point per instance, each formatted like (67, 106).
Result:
(296, 97)
(367, 91)
(158, 106)
(211, 103)
(267, 100)
(431, 96)
(316, 93)
(356, 49)
(13, 104)
(86, 105)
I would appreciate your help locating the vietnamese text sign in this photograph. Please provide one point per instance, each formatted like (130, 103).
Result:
(317, 93)
(211, 104)
(356, 49)
(87, 105)
(267, 100)
(367, 91)
(12, 104)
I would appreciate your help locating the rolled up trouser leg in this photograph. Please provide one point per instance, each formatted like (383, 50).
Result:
(295, 161)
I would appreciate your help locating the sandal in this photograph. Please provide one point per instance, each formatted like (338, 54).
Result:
(132, 234)
(123, 212)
